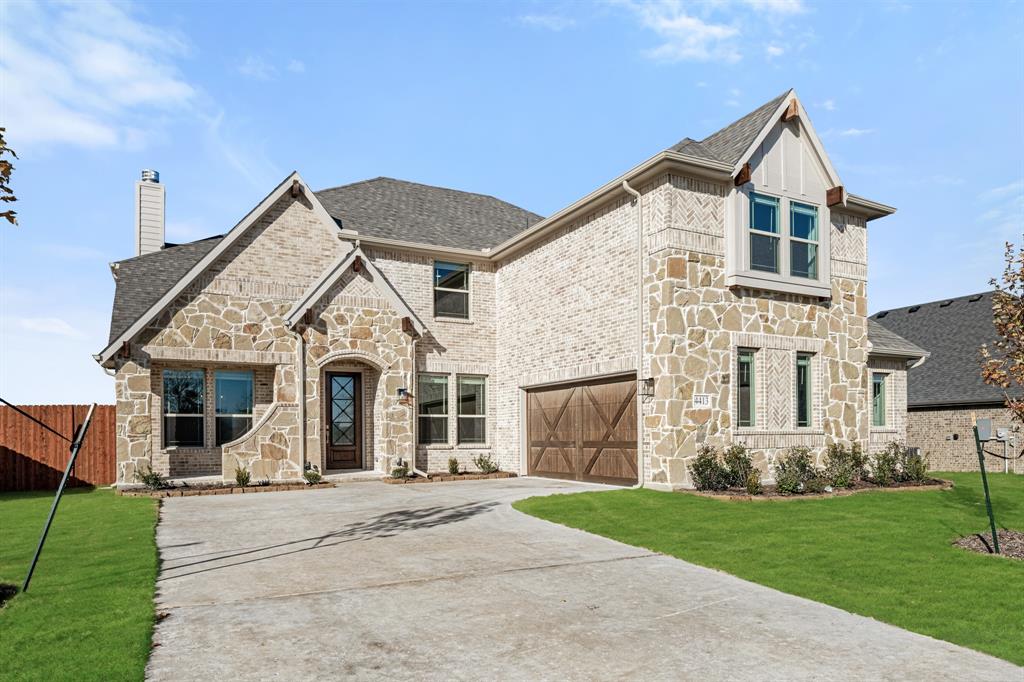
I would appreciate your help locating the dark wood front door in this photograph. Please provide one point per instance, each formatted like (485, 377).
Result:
(586, 431)
(344, 421)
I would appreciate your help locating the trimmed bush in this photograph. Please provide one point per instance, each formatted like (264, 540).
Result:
(753, 484)
(400, 471)
(794, 470)
(312, 476)
(706, 471)
(242, 476)
(485, 463)
(885, 467)
(914, 467)
(453, 466)
(738, 466)
(153, 480)
(844, 467)
(816, 484)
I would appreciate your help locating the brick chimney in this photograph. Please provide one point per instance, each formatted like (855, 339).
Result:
(149, 213)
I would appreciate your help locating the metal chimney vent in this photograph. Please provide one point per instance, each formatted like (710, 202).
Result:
(149, 175)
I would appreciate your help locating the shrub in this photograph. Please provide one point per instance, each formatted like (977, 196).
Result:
(453, 466)
(400, 471)
(153, 480)
(885, 468)
(706, 471)
(914, 466)
(312, 476)
(737, 466)
(816, 484)
(485, 463)
(794, 470)
(843, 466)
(242, 476)
(753, 483)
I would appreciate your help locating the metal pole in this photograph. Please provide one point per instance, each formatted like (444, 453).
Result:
(984, 482)
(76, 445)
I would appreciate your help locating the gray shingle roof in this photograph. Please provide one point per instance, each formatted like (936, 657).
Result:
(142, 280)
(952, 331)
(729, 143)
(396, 209)
(887, 342)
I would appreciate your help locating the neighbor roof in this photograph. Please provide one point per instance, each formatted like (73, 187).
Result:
(409, 211)
(953, 332)
(142, 280)
(729, 144)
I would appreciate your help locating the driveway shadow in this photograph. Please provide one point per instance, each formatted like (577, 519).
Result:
(386, 525)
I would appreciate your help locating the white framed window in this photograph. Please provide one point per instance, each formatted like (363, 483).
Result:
(803, 240)
(451, 290)
(432, 409)
(183, 421)
(764, 233)
(472, 409)
(233, 404)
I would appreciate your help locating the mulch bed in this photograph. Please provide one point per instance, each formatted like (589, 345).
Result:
(770, 493)
(1011, 543)
(7, 591)
(448, 478)
(214, 489)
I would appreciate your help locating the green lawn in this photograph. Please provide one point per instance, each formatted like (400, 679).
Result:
(880, 554)
(88, 614)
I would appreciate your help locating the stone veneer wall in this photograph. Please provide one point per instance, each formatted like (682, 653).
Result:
(696, 324)
(946, 437)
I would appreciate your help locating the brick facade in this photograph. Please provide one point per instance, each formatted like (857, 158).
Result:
(946, 437)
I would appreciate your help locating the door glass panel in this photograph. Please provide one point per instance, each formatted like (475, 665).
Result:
(343, 409)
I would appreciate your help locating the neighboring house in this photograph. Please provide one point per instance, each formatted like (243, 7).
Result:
(947, 391)
(714, 293)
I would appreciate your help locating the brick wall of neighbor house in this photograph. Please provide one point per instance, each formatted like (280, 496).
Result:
(696, 325)
(895, 428)
(449, 347)
(946, 437)
(565, 310)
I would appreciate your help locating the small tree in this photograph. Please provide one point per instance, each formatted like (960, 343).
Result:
(6, 193)
(1003, 365)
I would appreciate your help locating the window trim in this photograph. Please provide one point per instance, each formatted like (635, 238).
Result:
(447, 411)
(880, 379)
(458, 411)
(776, 203)
(164, 414)
(808, 401)
(741, 353)
(467, 291)
(807, 209)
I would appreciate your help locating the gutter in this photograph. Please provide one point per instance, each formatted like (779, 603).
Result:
(637, 198)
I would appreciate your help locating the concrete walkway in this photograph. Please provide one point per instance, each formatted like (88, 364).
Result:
(447, 581)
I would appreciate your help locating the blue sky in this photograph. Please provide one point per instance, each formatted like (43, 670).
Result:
(919, 105)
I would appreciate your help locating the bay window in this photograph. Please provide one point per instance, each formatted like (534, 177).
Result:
(183, 421)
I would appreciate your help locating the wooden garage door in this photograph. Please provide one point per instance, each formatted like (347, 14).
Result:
(585, 431)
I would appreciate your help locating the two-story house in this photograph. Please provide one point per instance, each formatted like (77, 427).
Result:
(717, 292)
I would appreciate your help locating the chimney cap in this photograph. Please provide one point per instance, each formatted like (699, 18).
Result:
(149, 175)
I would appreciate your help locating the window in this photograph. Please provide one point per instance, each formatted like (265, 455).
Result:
(803, 240)
(183, 408)
(451, 290)
(433, 408)
(745, 385)
(472, 409)
(234, 404)
(803, 389)
(878, 399)
(764, 233)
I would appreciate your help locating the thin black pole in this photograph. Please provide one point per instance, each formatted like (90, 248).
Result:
(984, 482)
(76, 445)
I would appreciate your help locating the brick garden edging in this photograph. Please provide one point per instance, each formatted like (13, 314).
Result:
(448, 478)
(941, 485)
(222, 490)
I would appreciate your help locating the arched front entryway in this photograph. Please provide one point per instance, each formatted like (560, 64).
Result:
(348, 416)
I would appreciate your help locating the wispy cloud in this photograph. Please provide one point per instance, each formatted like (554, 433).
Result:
(734, 97)
(1014, 188)
(856, 132)
(257, 68)
(829, 105)
(706, 32)
(49, 326)
(1004, 217)
(88, 75)
(549, 22)
(296, 66)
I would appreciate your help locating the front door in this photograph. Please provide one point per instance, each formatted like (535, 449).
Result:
(344, 421)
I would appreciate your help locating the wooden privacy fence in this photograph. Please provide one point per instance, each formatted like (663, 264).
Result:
(32, 458)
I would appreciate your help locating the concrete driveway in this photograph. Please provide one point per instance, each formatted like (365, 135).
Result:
(447, 581)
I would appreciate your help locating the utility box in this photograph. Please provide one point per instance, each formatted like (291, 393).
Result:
(984, 430)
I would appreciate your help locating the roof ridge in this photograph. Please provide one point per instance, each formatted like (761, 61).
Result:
(744, 116)
(423, 184)
(951, 299)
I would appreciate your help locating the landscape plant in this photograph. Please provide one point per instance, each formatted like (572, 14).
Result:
(794, 470)
(844, 466)
(242, 476)
(453, 466)
(312, 476)
(885, 464)
(707, 471)
(913, 466)
(153, 480)
(400, 471)
(738, 465)
(753, 483)
(485, 463)
(1003, 363)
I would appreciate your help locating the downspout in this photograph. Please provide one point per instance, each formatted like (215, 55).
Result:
(639, 332)
(300, 374)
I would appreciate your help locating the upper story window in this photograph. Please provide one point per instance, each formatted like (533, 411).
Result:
(877, 399)
(183, 407)
(233, 404)
(764, 233)
(803, 240)
(451, 290)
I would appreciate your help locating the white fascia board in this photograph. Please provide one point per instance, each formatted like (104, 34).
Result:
(870, 209)
(230, 238)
